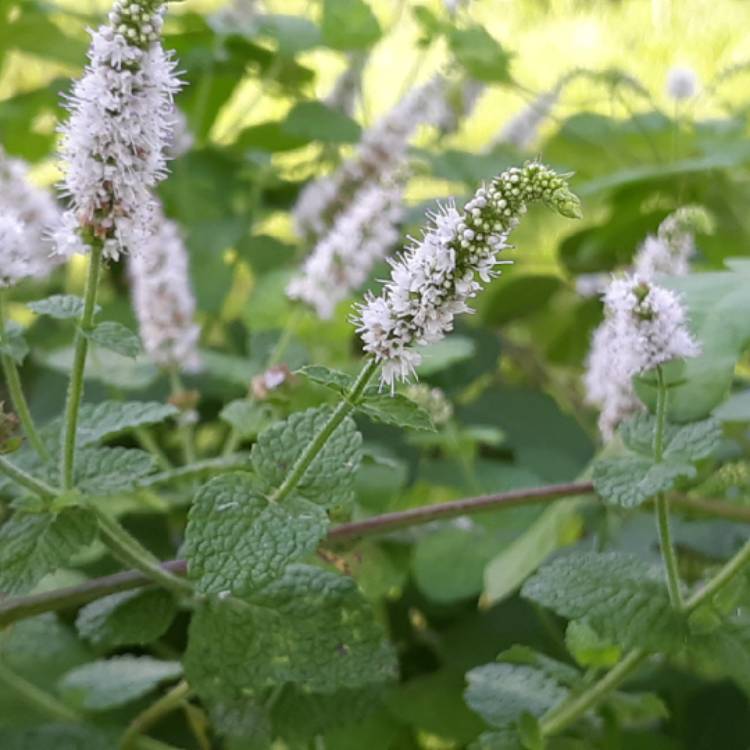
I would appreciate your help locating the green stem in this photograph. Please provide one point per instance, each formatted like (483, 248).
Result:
(75, 387)
(46, 704)
(147, 441)
(15, 390)
(131, 552)
(727, 572)
(669, 556)
(316, 445)
(668, 552)
(557, 719)
(168, 702)
(23, 607)
(19, 476)
(661, 415)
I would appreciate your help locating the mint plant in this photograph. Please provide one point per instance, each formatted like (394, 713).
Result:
(311, 493)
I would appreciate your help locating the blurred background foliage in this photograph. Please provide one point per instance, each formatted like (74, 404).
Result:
(255, 112)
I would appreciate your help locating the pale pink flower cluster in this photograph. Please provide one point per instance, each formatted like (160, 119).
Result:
(163, 299)
(361, 235)
(381, 153)
(121, 122)
(438, 274)
(645, 327)
(14, 262)
(36, 211)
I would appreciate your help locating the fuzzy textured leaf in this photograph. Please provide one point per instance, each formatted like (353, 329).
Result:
(104, 420)
(630, 480)
(336, 380)
(101, 471)
(106, 684)
(237, 541)
(500, 693)
(329, 477)
(127, 618)
(310, 627)
(684, 443)
(59, 306)
(623, 598)
(247, 417)
(13, 344)
(34, 544)
(117, 338)
(397, 410)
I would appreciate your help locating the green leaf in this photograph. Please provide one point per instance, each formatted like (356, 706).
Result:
(34, 544)
(104, 471)
(558, 526)
(336, 380)
(689, 442)
(107, 684)
(109, 418)
(58, 737)
(481, 55)
(349, 25)
(557, 670)
(314, 121)
(443, 354)
(395, 409)
(247, 417)
(692, 441)
(127, 618)
(244, 722)
(634, 710)
(13, 343)
(33, 32)
(630, 480)
(719, 308)
(588, 648)
(59, 306)
(517, 296)
(310, 627)
(292, 33)
(104, 366)
(621, 597)
(735, 409)
(264, 253)
(505, 739)
(237, 541)
(117, 338)
(299, 716)
(726, 650)
(268, 136)
(39, 650)
(328, 479)
(500, 693)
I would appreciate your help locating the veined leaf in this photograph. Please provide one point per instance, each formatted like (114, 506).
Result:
(34, 544)
(237, 541)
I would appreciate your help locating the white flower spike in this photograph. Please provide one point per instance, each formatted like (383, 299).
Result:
(163, 299)
(382, 152)
(121, 124)
(645, 326)
(37, 212)
(14, 262)
(361, 236)
(436, 276)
